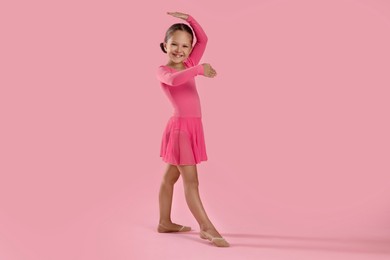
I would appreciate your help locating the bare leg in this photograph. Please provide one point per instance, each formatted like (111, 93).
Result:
(171, 176)
(190, 179)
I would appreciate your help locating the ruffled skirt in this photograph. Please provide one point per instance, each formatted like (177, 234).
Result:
(183, 141)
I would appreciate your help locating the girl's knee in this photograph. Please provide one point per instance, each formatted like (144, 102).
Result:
(170, 179)
(171, 175)
(189, 175)
(191, 184)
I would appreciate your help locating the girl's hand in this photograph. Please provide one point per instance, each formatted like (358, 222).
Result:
(209, 71)
(178, 15)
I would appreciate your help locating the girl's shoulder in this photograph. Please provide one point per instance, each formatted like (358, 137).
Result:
(164, 68)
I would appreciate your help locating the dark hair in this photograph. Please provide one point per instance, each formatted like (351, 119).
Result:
(176, 27)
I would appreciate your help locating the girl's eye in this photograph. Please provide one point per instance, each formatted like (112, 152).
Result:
(174, 44)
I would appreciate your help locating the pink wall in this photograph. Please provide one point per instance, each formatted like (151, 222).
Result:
(296, 122)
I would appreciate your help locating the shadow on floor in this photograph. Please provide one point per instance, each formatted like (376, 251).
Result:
(330, 244)
(351, 245)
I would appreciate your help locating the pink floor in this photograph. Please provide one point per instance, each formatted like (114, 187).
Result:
(123, 226)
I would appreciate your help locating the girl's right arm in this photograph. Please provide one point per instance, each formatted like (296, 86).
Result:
(164, 75)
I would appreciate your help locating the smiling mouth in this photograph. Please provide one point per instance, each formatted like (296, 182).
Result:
(178, 55)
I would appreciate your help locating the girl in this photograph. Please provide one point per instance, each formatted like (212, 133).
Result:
(183, 143)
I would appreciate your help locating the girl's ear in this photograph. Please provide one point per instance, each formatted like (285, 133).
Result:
(165, 46)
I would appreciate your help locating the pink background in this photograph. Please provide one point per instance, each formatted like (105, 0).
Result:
(296, 126)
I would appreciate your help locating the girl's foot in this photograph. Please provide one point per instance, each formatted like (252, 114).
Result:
(214, 237)
(172, 227)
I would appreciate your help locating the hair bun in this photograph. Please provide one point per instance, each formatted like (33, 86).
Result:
(162, 47)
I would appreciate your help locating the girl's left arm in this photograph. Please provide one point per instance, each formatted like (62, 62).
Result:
(201, 41)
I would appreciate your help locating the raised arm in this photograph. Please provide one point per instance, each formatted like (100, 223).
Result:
(201, 41)
(164, 75)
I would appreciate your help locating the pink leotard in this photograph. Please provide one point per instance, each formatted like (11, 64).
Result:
(179, 86)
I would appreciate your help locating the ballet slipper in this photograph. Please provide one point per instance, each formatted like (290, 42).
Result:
(163, 229)
(217, 241)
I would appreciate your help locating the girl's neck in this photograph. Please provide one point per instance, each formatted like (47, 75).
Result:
(178, 66)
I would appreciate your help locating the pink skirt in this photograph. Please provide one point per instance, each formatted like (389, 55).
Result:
(183, 141)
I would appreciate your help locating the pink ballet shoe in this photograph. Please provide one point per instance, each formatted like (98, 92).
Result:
(217, 241)
(163, 229)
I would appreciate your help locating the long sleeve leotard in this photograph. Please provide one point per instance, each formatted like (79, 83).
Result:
(179, 86)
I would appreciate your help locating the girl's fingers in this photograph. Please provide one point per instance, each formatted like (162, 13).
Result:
(178, 15)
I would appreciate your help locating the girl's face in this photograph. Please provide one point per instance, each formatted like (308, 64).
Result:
(178, 46)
